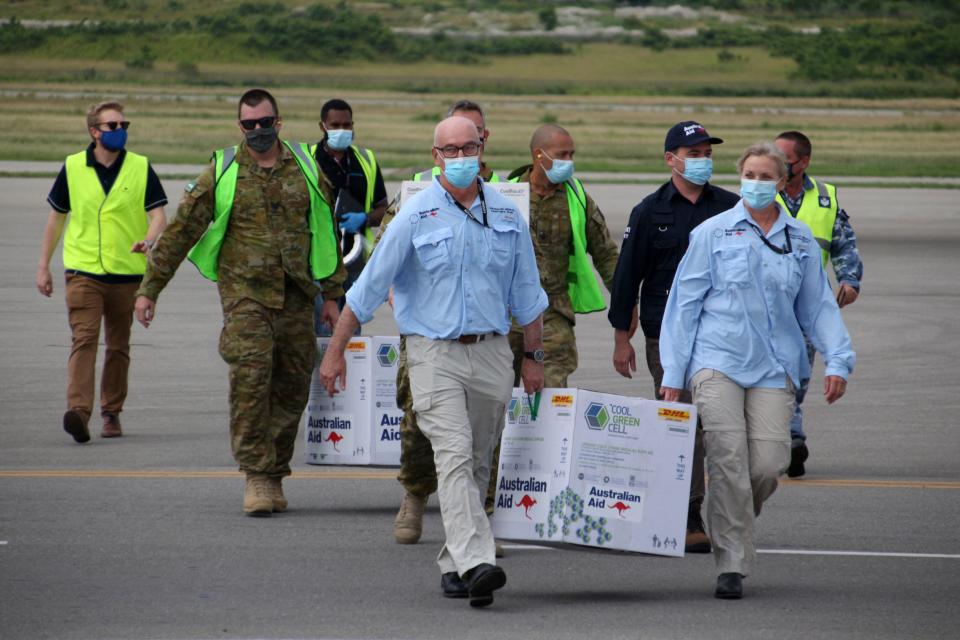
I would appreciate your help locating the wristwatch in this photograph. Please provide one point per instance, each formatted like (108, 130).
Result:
(536, 355)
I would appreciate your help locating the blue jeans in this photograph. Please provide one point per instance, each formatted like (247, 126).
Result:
(796, 422)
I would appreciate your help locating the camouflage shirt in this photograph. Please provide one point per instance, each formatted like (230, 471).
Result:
(553, 244)
(844, 255)
(266, 242)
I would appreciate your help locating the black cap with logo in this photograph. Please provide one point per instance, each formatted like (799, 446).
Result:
(687, 134)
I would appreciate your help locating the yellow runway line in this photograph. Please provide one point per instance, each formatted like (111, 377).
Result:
(347, 474)
(353, 473)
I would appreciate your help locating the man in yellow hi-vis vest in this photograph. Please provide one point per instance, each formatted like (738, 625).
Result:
(361, 197)
(258, 222)
(115, 204)
(815, 202)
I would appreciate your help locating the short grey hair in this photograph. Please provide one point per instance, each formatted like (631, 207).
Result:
(467, 105)
(764, 148)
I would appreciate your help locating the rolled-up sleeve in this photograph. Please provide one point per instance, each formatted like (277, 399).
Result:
(371, 288)
(681, 319)
(526, 299)
(819, 317)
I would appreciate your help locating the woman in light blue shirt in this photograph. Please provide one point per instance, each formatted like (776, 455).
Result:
(749, 286)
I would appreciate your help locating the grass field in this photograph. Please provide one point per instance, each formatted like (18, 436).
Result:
(183, 123)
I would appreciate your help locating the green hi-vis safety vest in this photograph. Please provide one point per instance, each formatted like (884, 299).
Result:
(418, 177)
(368, 164)
(323, 249)
(103, 226)
(582, 287)
(819, 211)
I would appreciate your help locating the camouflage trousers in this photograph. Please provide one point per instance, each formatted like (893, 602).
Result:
(271, 353)
(418, 475)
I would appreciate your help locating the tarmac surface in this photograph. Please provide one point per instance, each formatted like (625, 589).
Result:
(144, 537)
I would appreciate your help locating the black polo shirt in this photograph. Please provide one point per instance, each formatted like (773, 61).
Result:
(654, 241)
(59, 198)
(349, 175)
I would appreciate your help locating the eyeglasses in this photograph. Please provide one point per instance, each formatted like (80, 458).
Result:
(265, 123)
(452, 151)
(112, 125)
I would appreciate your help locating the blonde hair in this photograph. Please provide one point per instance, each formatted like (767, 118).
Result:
(768, 149)
(94, 111)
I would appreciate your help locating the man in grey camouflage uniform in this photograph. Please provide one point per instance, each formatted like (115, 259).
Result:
(847, 267)
(263, 273)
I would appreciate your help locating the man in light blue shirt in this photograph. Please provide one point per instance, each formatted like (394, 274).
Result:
(740, 308)
(460, 260)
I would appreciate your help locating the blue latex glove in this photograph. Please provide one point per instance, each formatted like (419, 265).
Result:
(351, 222)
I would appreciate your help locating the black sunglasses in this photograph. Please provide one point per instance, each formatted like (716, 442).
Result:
(265, 123)
(112, 125)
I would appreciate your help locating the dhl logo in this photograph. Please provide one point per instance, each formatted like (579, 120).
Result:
(675, 415)
(562, 400)
(356, 345)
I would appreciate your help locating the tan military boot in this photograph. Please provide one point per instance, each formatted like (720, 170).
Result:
(258, 497)
(408, 525)
(276, 492)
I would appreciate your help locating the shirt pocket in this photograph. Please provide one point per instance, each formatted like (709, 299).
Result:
(499, 246)
(794, 266)
(433, 249)
(734, 266)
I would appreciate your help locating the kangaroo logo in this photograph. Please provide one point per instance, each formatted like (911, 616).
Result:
(620, 507)
(526, 502)
(335, 438)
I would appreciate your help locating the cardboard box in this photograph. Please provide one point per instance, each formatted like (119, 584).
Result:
(361, 425)
(597, 471)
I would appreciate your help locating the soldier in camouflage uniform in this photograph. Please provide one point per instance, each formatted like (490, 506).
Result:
(265, 265)
(418, 475)
(847, 266)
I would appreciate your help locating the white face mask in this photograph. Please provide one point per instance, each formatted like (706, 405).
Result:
(339, 139)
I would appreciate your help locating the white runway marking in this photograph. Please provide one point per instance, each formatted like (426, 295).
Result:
(871, 554)
(796, 552)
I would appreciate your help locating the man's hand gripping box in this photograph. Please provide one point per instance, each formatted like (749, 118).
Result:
(360, 425)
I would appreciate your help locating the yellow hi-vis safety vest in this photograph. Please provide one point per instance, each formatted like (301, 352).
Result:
(103, 227)
(819, 211)
(323, 248)
(582, 287)
(368, 164)
(418, 177)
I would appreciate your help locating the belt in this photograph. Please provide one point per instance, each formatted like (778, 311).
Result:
(473, 338)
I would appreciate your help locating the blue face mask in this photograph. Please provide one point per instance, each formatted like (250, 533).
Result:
(114, 140)
(560, 172)
(460, 172)
(758, 194)
(339, 139)
(697, 170)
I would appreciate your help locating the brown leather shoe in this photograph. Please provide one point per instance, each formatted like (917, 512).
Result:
(75, 423)
(111, 426)
(697, 542)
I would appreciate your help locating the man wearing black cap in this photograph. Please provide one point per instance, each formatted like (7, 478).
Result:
(653, 244)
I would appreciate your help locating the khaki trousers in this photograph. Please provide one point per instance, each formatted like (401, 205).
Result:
(746, 434)
(89, 303)
(460, 393)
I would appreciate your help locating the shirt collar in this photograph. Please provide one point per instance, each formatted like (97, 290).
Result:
(740, 214)
(671, 191)
(440, 192)
(92, 159)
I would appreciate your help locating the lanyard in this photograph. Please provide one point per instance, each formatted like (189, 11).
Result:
(483, 206)
(534, 405)
(782, 251)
